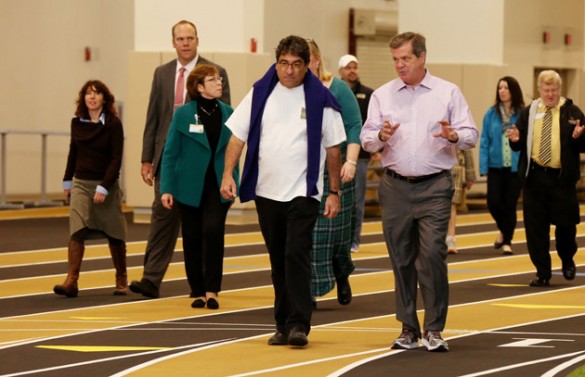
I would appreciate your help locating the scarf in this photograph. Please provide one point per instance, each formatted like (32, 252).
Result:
(317, 97)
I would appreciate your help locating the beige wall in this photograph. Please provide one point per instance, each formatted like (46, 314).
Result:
(42, 69)
(499, 37)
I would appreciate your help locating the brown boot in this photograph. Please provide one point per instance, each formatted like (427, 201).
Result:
(75, 256)
(119, 258)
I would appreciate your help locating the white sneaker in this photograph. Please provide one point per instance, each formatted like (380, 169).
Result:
(406, 341)
(355, 248)
(451, 245)
(434, 342)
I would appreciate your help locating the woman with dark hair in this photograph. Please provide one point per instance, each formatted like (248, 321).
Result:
(192, 169)
(91, 184)
(499, 163)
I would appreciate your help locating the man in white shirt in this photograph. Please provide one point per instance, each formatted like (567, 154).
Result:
(292, 125)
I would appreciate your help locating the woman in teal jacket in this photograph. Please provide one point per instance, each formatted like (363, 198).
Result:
(499, 163)
(192, 169)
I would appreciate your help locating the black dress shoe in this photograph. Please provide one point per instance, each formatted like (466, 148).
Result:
(569, 270)
(343, 291)
(539, 282)
(498, 244)
(297, 337)
(145, 288)
(278, 339)
(212, 303)
(199, 303)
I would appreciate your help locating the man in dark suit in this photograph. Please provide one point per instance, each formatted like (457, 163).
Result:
(167, 93)
(549, 136)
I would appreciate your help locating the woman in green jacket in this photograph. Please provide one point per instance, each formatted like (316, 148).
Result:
(192, 169)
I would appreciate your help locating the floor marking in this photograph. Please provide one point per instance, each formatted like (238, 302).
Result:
(67, 366)
(532, 343)
(554, 371)
(532, 306)
(103, 348)
(358, 363)
(316, 361)
(507, 285)
(519, 365)
(97, 318)
(533, 333)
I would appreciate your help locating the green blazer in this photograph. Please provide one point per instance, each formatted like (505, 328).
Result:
(187, 155)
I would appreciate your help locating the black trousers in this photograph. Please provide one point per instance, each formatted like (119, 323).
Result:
(503, 190)
(287, 228)
(547, 202)
(203, 242)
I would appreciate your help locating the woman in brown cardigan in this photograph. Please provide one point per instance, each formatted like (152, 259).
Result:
(91, 184)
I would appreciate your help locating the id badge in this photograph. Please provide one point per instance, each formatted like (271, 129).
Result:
(196, 128)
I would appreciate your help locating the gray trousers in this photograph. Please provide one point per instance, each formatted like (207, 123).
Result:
(415, 218)
(164, 230)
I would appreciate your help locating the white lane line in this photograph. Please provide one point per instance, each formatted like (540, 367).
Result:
(559, 368)
(520, 365)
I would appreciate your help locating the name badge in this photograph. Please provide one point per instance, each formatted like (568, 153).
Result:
(303, 113)
(196, 128)
(539, 116)
(360, 96)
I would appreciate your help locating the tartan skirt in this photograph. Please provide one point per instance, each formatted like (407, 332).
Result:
(331, 253)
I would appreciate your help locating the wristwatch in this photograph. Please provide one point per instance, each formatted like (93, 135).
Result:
(338, 193)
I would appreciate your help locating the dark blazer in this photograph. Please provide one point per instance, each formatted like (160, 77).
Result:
(161, 106)
(570, 148)
(187, 156)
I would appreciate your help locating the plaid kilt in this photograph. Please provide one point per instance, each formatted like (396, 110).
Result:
(331, 253)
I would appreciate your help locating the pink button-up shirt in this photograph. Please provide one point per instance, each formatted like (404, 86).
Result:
(413, 150)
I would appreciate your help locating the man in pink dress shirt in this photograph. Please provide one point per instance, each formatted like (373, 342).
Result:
(415, 121)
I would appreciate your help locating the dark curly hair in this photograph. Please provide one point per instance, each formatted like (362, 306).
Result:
(101, 88)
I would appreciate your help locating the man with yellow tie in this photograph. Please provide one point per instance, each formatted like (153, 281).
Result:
(549, 136)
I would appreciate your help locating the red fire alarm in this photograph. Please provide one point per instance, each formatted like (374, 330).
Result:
(568, 39)
(253, 45)
(87, 54)
(546, 37)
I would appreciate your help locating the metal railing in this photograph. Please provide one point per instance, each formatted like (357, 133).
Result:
(43, 200)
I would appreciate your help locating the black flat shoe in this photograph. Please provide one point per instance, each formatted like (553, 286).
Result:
(507, 250)
(199, 303)
(498, 244)
(212, 303)
(539, 282)
(278, 339)
(144, 287)
(343, 291)
(569, 270)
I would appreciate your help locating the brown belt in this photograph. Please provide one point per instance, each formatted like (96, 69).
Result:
(418, 179)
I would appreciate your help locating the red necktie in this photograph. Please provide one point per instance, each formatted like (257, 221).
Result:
(180, 88)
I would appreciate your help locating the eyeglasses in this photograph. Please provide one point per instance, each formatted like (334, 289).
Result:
(214, 78)
(296, 65)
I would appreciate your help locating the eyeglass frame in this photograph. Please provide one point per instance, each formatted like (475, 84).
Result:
(296, 65)
(214, 78)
